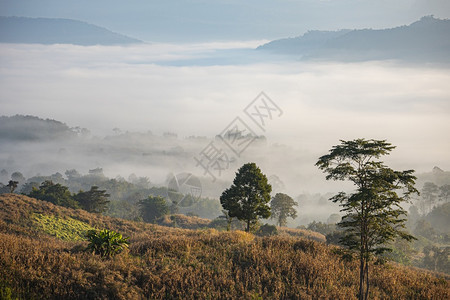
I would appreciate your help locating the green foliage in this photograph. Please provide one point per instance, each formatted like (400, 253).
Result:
(12, 185)
(334, 219)
(54, 193)
(124, 209)
(444, 193)
(332, 233)
(334, 237)
(17, 176)
(153, 208)
(225, 222)
(373, 215)
(429, 196)
(321, 227)
(106, 243)
(439, 218)
(436, 259)
(248, 197)
(27, 188)
(186, 264)
(282, 207)
(267, 230)
(424, 229)
(402, 252)
(94, 200)
(67, 229)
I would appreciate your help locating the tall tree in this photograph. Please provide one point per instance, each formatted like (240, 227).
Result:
(94, 200)
(282, 207)
(373, 215)
(248, 197)
(153, 208)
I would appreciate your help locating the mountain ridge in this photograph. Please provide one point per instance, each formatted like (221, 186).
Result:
(426, 40)
(47, 31)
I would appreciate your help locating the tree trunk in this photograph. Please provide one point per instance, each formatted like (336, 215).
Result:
(367, 280)
(248, 226)
(361, 278)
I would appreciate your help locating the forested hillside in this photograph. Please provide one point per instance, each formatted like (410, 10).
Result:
(178, 263)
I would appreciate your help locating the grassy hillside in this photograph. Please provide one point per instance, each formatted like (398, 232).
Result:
(41, 257)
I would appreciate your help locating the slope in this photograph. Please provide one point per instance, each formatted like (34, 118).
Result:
(427, 40)
(182, 264)
(58, 31)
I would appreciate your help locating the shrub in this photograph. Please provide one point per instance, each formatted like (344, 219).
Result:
(106, 243)
(267, 230)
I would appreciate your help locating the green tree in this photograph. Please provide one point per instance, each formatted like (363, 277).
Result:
(106, 243)
(334, 219)
(444, 194)
(424, 229)
(227, 217)
(373, 215)
(436, 259)
(429, 196)
(28, 187)
(322, 228)
(54, 193)
(12, 185)
(153, 208)
(248, 197)
(439, 218)
(267, 230)
(94, 200)
(282, 207)
(17, 176)
(72, 174)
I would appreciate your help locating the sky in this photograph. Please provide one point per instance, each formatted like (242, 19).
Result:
(222, 20)
(178, 82)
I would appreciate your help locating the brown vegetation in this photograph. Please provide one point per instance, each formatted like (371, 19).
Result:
(179, 263)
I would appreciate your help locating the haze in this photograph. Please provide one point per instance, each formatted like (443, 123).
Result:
(195, 82)
(220, 20)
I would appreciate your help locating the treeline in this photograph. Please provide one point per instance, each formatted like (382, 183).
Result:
(123, 196)
(428, 220)
(94, 200)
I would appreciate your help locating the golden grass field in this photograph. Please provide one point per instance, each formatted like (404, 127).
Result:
(42, 257)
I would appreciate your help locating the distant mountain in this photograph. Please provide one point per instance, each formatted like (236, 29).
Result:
(30, 128)
(427, 40)
(58, 31)
(307, 43)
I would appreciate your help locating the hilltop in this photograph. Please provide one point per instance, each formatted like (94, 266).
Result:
(426, 40)
(41, 254)
(25, 30)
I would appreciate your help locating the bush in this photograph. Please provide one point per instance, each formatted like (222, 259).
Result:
(267, 230)
(106, 243)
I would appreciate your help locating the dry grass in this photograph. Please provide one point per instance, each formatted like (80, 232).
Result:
(183, 221)
(303, 233)
(173, 263)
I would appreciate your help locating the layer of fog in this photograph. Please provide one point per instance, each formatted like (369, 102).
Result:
(141, 89)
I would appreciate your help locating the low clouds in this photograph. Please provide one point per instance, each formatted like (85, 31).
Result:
(141, 88)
